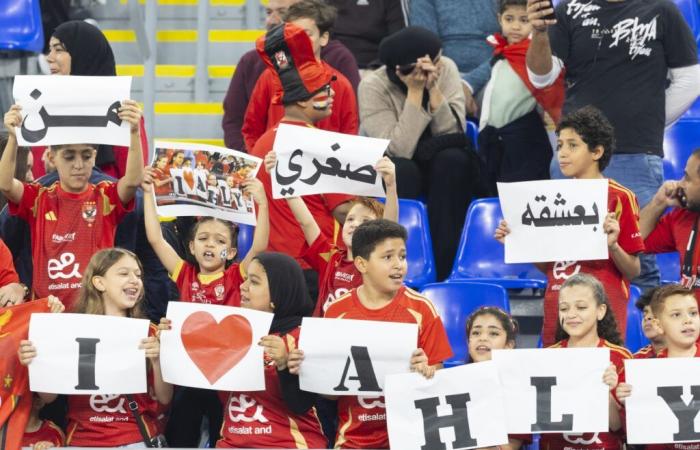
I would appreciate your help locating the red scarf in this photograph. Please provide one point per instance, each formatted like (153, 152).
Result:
(550, 98)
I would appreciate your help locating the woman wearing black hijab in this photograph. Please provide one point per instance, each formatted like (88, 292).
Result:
(281, 416)
(416, 100)
(79, 48)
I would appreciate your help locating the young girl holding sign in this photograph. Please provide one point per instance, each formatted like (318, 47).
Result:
(586, 320)
(584, 147)
(281, 416)
(490, 328)
(213, 245)
(113, 286)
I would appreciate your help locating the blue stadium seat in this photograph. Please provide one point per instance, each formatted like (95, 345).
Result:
(455, 302)
(473, 132)
(413, 215)
(20, 26)
(670, 267)
(245, 240)
(480, 256)
(679, 142)
(635, 339)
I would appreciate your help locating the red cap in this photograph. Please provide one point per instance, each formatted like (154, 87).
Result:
(287, 49)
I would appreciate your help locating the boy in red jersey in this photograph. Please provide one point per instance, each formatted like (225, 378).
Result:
(72, 219)
(379, 247)
(649, 327)
(41, 434)
(585, 146)
(676, 314)
(307, 95)
(265, 108)
(335, 266)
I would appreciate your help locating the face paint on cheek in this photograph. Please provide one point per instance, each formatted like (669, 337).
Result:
(321, 103)
(224, 254)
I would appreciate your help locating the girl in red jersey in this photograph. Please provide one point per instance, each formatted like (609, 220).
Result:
(41, 434)
(490, 328)
(113, 286)
(586, 320)
(337, 274)
(281, 416)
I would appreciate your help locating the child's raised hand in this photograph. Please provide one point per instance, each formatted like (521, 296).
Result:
(501, 232)
(387, 170)
(12, 119)
(130, 111)
(55, 305)
(274, 348)
(164, 325)
(612, 228)
(419, 363)
(254, 188)
(26, 352)
(148, 178)
(623, 391)
(11, 294)
(294, 360)
(42, 445)
(610, 376)
(152, 346)
(270, 161)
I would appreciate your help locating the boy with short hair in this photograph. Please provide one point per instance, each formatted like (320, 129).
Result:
(379, 249)
(585, 145)
(72, 219)
(649, 327)
(266, 109)
(676, 314)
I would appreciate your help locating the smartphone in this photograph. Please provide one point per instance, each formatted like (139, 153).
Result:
(549, 16)
(681, 197)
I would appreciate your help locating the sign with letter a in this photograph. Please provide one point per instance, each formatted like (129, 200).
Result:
(461, 407)
(352, 357)
(665, 401)
(87, 354)
(557, 390)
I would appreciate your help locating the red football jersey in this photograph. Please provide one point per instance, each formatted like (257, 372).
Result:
(7, 268)
(645, 353)
(106, 420)
(286, 235)
(48, 431)
(66, 230)
(671, 234)
(623, 203)
(336, 275)
(223, 288)
(591, 441)
(362, 420)
(261, 419)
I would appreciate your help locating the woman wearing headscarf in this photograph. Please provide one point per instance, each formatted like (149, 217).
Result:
(281, 416)
(416, 100)
(79, 48)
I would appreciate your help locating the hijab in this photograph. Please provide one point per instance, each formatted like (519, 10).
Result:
(288, 291)
(90, 54)
(405, 47)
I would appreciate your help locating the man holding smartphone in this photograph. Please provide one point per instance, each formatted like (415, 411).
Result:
(617, 55)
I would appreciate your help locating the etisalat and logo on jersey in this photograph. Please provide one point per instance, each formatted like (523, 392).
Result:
(631, 31)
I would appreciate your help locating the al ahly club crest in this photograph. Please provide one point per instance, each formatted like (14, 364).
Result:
(89, 211)
(281, 59)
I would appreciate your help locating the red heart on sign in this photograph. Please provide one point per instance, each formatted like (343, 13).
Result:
(215, 348)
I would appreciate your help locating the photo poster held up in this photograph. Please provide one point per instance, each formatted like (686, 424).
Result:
(203, 180)
(71, 110)
(554, 220)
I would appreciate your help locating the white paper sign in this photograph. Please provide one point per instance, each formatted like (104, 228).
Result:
(71, 110)
(461, 407)
(555, 220)
(313, 161)
(214, 347)
(656, 384)
(578, 399)
(203, 180)
(352, 357)
(87, 354)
